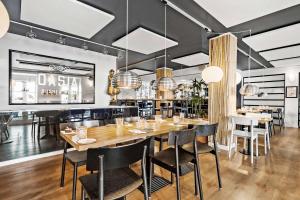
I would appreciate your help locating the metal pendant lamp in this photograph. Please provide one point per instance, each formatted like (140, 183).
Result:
(4, 20)
(166, 83)
(249, 89)
(126, 79)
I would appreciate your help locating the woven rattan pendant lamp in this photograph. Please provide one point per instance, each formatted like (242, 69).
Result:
(166, 83)
(126, 79)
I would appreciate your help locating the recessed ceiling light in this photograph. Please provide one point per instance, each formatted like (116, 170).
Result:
(192, 60)
(70, 16)
(232, 12)
(288, 52)
(286, 63)
(144, 41)
(281, 37)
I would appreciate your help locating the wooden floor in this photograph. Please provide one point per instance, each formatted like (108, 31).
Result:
(275, 176)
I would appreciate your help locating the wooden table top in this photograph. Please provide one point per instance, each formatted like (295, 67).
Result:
(111, 134)
(261, 119)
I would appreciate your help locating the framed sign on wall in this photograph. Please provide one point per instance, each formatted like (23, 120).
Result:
(40, 79)
(291, 92)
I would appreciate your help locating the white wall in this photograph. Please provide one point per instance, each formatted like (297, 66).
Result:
(16, 42)
(291, 79)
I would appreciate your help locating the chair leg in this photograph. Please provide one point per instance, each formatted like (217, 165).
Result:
(256, 144)
(265, 142)
(150, 179)
(196, 181)
(82, 193)
(251, 147)
(269, 144)
(230, 146)
(199, 178)
(63, 170)
(161, 144)
(74, 182)
(236, 143)
(218, 170)
(178, 184)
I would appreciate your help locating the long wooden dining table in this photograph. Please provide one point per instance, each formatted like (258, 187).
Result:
(112, 134)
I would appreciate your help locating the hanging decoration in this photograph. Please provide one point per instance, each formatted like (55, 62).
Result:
(166, 83)
(126, 79)
(4, 20)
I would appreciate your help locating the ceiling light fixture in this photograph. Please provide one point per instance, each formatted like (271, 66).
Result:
(249, 89)
(166, 83)
(126, 79)
(30, 34)
(85, 46)
(61, 40)
(4, 20)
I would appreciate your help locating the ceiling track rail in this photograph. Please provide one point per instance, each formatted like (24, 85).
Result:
(66, 35)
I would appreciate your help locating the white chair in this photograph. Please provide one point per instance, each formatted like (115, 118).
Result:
(262, 131)
(91, 123)
(235, 133)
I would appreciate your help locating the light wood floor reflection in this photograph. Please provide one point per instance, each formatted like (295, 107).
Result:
(273, 177)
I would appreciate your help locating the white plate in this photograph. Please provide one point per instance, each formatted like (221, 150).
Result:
(86, 141)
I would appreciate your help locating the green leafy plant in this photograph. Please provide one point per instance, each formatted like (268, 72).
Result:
(198, 97)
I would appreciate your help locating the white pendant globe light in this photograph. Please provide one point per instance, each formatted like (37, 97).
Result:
(4, 20)
(238, 76)
(166, 83)
(212, 74)
(126, 79)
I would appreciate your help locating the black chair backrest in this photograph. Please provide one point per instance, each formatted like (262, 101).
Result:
(183, 137)
(207, 129)
(116, 157)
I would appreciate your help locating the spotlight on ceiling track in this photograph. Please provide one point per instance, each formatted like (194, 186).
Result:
(30, 34)
(85, 46)
(61, 40)
(105, 51)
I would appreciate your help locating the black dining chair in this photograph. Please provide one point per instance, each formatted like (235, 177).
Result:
(115, 179)
(75, 158)
(48, 119)
(5, 119)
(203, 148)
(173, 158)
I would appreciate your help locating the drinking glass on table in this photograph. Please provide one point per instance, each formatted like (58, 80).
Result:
(181, 115)
(119, 121)
(81, 132)
(157, 118)
(176, 120)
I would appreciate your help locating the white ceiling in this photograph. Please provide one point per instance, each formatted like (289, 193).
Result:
(233, 12)
(286, 63)
(63, 15)
(144, 41)
(281, 37)
(192, 60)
(288, 52)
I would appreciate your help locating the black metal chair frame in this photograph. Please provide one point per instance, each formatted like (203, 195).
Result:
(112, 158)
(205, 131)
(178, 139)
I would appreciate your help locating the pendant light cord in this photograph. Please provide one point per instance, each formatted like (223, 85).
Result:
(249, 60)
(126, 35)
(165, 38)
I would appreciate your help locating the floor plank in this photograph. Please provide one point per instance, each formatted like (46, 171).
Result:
(273, 177)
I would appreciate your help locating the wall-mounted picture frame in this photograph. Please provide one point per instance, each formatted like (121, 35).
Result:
(291, 92)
